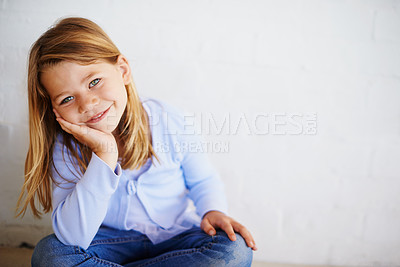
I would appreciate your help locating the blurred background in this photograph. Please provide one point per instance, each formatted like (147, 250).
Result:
(298, 103)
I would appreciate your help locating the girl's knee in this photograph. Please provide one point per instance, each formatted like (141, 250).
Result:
(48, 252)
(243, 253)
(237, 252)
(42, 249)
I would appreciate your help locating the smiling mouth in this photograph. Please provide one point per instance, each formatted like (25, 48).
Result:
(98, 117)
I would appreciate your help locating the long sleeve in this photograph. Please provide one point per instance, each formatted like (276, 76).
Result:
(80, 202)
(202, 179)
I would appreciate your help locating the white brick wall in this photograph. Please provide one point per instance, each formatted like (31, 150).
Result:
(329, 198)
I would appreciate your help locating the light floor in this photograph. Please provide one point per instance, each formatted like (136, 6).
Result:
(21, 257)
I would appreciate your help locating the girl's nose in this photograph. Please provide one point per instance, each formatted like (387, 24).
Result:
(87, 103)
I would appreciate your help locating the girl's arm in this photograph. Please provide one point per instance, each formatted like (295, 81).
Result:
(207, 192)
(205, 186)
(80, 202)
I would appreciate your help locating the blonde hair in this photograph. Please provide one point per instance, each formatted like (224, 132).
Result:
(82, 41)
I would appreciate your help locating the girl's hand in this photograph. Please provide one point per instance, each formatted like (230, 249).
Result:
(103, 144)
(215, 219)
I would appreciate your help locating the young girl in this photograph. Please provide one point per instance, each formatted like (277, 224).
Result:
(115, 169)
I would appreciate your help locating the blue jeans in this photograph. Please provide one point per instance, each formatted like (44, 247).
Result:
(112, 247)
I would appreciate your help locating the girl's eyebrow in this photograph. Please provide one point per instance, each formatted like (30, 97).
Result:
(57, 96)
(90, 74)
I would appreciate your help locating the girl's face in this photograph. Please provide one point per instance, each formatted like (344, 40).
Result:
(93, 95)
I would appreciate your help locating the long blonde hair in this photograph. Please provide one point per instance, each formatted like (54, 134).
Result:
(82, 41)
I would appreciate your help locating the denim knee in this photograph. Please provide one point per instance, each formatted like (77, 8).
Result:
(41, 249)
(237, 252)
(51, 252)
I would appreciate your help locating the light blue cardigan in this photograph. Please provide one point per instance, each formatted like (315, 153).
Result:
(82, 203)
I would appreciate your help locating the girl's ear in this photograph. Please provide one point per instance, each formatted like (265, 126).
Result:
(125, 69)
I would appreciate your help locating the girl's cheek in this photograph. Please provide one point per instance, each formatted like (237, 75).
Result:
(67, 116)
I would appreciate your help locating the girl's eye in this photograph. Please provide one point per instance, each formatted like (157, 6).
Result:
(94, 82)
(67, 99)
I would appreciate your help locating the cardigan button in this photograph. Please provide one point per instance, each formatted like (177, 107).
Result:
(130, 187)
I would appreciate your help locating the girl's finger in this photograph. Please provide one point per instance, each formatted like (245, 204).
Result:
(245, 234)
(56, 113)
(228, 229)
(63, 126)
(207, 227)
(76, 130)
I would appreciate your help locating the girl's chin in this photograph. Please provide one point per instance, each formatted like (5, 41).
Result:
(108, 128)
(105, 128)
